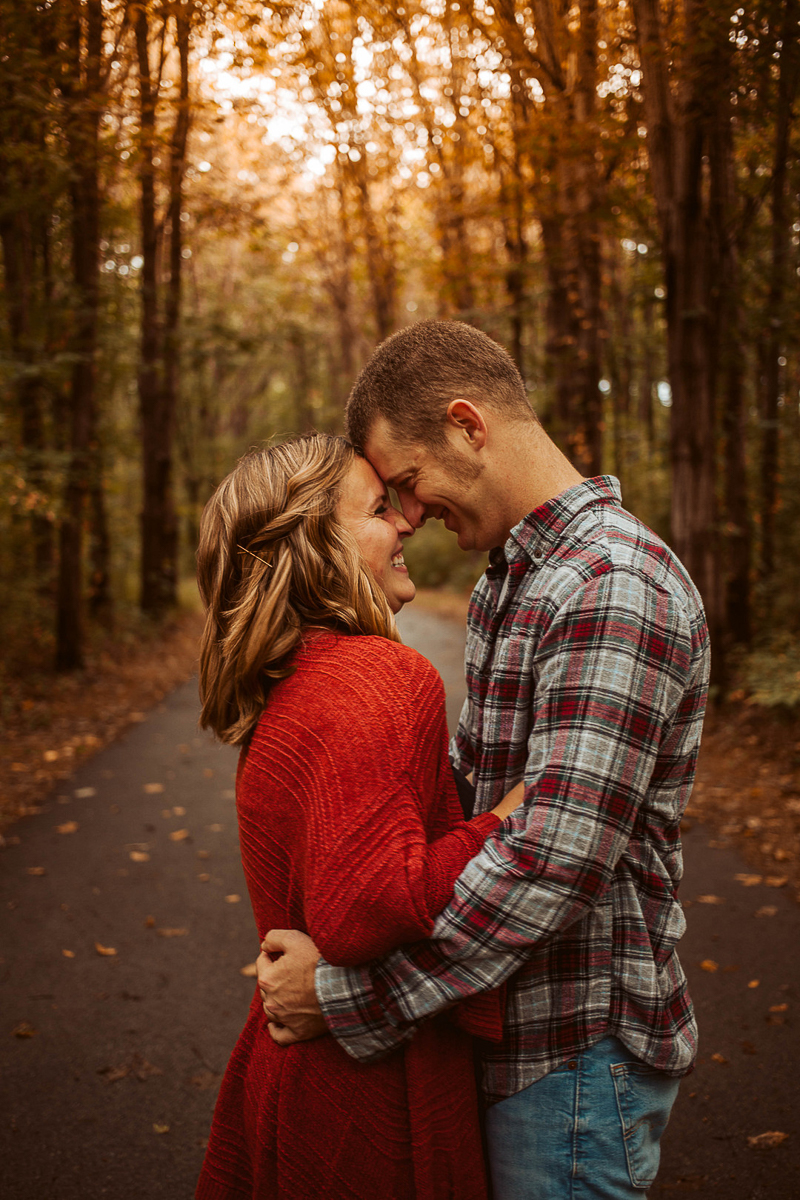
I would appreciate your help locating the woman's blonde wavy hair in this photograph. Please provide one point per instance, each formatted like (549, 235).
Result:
(272, 559)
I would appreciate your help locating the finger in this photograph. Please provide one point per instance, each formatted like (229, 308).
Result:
(276, 941)
(282, 1034)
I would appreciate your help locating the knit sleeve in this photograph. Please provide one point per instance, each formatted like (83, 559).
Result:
(384, 842)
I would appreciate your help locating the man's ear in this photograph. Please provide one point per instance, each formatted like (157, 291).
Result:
(469, 421)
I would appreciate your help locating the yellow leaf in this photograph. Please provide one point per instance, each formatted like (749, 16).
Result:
(767, 910)
(708, 964)
(68, 953)
(249, 970)
(179, 835)
(36, 871)
(24, 1030)
(203, 854)
(150, 923)
(204, 876)
(105, 951)
(208, 772)
(719, 1058)
(68, 827)
(154, 789)
(232, 899)
(169, 933)
(776, 881)
(50, 755)
(139, 856)
(776, 1008)
(766, 1141)
(710, 900)
(754, 983)
(748, 880)
(84, 793)
(215, 828)
(178, 811)
(160, 1128)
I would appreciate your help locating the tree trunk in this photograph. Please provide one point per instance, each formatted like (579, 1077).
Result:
(158, 522)
(677, 130)
(775, 335)
(83, 122)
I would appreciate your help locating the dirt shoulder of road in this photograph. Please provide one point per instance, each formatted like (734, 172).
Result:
(747, 789)
(52, 723)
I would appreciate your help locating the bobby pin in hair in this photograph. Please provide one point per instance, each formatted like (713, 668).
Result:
(244, 550)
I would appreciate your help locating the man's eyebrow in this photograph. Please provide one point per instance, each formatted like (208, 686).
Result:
(400, 477)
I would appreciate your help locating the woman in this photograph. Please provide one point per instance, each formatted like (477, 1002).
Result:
(349, 824)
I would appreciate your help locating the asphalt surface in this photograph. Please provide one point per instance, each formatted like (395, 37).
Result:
(110, 1089)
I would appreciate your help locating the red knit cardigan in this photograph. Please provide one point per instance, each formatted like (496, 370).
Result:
(350, 830)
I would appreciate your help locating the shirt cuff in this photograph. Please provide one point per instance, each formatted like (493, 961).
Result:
(354, 1014)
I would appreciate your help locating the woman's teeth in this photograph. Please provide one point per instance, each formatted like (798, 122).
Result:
(398, 560)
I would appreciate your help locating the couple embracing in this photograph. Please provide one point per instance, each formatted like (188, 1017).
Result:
(529, 930)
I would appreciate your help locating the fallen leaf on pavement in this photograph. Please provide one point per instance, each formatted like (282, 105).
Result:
(232, 899)
(172, 932)
(748, 1048)
(204, 1080)
(708, 964)
(776, 1008)
(160, 1128)
(748, 880)
(50, 755)
(105, 951)
(719, 1058)
(84, 793)
(68, 953)
(204, 876)
(179, 811)
(24, 1030)
(68, 827)
(754, 983)
(139, 856)
(776, 881)
(179, 835)
(250, 970)
(215, 828)
(765, 1141)
(203, 854)
(767, 910)
(154, 789)
(710, 900)
(208, 772)
(150, 923)
(36, 871)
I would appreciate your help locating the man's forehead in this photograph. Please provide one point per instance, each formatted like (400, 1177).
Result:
(391, 456)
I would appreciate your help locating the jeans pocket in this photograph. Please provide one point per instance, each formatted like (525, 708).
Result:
(644, 1099)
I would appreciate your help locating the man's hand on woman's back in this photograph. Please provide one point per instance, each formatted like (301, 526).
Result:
(285, 970)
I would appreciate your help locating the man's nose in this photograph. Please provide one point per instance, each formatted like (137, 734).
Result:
(414, 511)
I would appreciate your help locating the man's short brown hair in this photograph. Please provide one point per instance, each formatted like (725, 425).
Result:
(414, 375)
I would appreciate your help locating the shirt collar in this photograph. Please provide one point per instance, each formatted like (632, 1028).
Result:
(541, 529)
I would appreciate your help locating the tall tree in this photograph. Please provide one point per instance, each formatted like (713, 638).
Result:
(683, 97)
(83, 106)
(784, 18)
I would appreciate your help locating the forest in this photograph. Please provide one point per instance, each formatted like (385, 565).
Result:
(212, 212)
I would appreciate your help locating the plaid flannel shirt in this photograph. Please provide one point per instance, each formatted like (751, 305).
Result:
(587, 671)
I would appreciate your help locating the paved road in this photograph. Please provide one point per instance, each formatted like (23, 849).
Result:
(112, 1095)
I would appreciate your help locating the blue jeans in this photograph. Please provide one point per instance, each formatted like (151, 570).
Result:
(589, 1130)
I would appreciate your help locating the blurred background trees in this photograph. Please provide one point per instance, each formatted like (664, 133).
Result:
(211, 212)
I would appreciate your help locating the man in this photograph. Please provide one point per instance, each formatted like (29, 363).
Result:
(587, 671)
